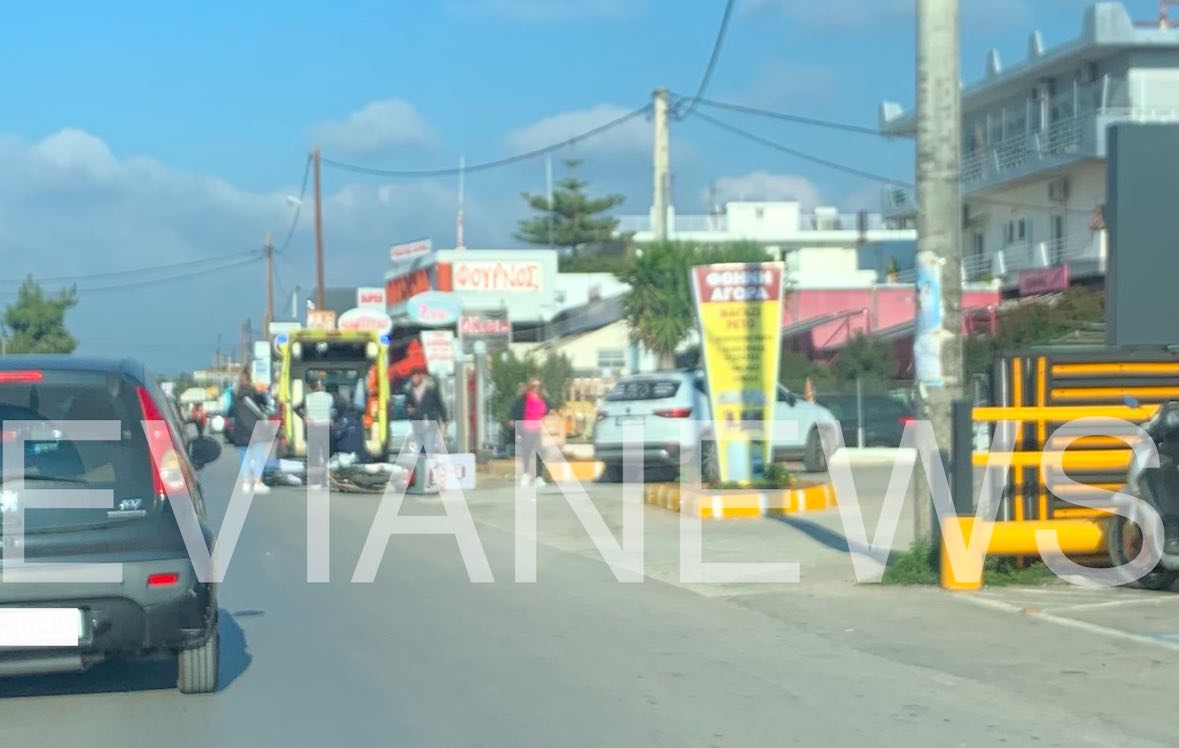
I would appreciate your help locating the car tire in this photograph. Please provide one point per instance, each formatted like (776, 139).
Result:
(813, 457)
(1158, 580)
(197, 669)
(611, 473)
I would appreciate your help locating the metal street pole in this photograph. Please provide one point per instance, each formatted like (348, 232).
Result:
(319, 295)
(662, 166)
(269, 316)
(937, 345)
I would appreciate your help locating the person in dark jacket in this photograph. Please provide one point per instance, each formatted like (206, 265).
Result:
(249, 407)
(423, 404)
(527, 416)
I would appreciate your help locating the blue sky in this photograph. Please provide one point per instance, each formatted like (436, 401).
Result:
(135, 134)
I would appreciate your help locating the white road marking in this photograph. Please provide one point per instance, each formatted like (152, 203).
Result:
(1152, 600)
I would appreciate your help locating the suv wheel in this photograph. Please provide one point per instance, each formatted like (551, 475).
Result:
(196, 669)
(611, 473)
(813, 457)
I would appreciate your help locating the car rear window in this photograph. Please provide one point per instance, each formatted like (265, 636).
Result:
(643, 389)
(51, 462)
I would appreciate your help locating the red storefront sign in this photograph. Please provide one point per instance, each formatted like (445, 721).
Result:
(404, 287)
(1043, 280)
(753, 284)
(490, 275)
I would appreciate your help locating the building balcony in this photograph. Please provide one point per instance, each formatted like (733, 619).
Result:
(694, 226)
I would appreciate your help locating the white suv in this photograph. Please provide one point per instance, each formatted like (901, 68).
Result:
(660, 401)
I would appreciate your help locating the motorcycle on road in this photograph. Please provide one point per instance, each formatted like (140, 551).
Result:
(1158, 487)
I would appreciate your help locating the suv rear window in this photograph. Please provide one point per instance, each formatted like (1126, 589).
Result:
(123, 466)
(643, 389)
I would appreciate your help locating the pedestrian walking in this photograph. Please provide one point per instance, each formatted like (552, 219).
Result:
(528, 414)
(248, 408)
(317, 410)
(423, 404)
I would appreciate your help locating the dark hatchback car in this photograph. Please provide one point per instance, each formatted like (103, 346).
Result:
(884, 418)
(159, 608)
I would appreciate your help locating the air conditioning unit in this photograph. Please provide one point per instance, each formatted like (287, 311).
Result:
(1058, 190)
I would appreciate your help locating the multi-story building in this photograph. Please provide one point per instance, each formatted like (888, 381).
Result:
(1034, 147)
(820, 248)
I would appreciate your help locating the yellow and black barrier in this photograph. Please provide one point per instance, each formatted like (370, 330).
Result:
(1039, 393)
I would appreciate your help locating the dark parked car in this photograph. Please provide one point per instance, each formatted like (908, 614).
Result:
(884, 418)
(159, 608)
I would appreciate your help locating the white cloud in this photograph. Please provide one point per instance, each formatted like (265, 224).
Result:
(627, 139)
(763, 185)
(70, 207)
(550, 10)
(377, 126)
(869, 14)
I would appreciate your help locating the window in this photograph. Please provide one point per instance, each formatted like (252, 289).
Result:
(611, 358)
(643, 389)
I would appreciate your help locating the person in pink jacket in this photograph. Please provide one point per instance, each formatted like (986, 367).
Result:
(528, 414)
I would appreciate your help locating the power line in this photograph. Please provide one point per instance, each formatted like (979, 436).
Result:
(795, 118)
(242, 262)
(712, 60)
(298, 207)
(488, 164)
(124, 272)
(801, 154)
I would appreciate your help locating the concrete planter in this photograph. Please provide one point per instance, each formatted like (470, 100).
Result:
(740, 503)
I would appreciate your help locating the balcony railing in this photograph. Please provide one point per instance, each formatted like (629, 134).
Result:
(722, 224)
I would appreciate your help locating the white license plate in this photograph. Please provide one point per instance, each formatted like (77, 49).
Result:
(623, 420)
(40, 627)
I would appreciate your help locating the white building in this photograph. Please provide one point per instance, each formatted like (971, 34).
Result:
(1033, 160)
(819, 248)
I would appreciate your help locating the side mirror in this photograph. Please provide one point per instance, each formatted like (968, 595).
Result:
(203, 450)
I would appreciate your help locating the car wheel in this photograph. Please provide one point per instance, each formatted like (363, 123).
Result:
(611, 473)
(813, 457)
(197, 669)
(1125, 543)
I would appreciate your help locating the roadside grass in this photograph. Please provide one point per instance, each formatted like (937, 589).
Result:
(919, 566)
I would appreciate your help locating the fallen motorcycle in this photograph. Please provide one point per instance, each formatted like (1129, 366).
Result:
(1158, 487)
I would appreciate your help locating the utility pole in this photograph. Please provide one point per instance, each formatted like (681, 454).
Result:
(269, 316)
(319, 295)
(937, 343)
(662, 167)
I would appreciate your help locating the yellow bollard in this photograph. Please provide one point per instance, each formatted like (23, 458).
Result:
(963, 572)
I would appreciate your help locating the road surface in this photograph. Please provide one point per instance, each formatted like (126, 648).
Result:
(423, 657)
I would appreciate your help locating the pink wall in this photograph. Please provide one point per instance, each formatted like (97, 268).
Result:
(877, 308)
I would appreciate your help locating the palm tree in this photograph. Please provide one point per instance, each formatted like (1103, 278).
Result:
(658, 307)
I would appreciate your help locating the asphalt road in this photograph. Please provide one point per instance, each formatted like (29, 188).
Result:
(423, 657)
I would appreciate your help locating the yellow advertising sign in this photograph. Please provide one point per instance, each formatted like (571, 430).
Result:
(739, 308)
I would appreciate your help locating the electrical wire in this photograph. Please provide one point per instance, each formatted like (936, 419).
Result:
(795, 118)
(801, 154)
(686, 111)
(241, 262)
(372, 171)
(298, 207)
(125, 272)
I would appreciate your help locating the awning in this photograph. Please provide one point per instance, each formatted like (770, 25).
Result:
(798, 328)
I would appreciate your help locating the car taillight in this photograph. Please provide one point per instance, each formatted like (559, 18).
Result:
(167, 472)
(905, 420)
(674, 412)
(601, 416)
(164, 579)
(21, 376)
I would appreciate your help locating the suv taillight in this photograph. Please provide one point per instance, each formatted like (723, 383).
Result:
(167, 470)
(601, 416)
(905, 420)
(674, 412)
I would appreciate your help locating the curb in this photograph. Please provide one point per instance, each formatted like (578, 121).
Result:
(583, 471)
(740, 504)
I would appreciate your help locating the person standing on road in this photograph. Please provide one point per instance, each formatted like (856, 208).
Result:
(528, 414)
(424, 405)
(249, 407)
(318, 415)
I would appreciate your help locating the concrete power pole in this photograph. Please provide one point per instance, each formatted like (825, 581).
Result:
(937, 345)
(320, 303)
(662, 165)
(269, 316)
